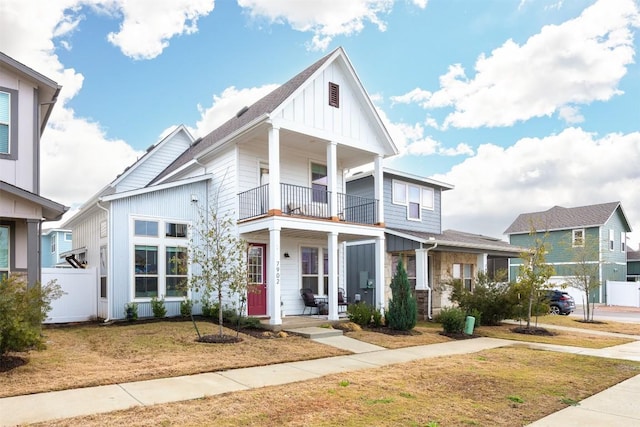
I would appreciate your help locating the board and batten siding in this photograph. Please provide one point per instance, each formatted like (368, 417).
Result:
(171, 204)
(615, 223)
(86, 234)
(294, 166)
(351, 120)
(156, 162)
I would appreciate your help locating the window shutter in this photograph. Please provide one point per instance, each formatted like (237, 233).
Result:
(334, 95)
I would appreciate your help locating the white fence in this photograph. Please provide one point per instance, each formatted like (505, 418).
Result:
(79, 303)
(623, 293)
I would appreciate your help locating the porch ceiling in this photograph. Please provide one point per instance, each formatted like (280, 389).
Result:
(303, 235)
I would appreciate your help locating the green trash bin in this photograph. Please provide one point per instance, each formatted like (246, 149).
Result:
(468, 325)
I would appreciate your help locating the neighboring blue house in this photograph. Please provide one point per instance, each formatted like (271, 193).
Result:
(603, 227)
(53, 242)
(413, 233)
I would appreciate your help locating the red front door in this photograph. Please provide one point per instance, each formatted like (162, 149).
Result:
(257, 295)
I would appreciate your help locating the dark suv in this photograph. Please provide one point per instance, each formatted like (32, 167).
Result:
(560, 302)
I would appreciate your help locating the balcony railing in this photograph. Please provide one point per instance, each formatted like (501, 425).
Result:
(308, 202)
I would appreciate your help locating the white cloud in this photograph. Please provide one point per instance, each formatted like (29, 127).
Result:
(226, 105)
(149, 25)
(70, 145)
(570, 114)
(574, 63)
(573, 168)
(326, 19)
(420, 3)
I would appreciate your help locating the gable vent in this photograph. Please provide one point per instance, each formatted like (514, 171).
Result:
(334, 95)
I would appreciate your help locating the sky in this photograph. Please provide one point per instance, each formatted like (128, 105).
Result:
(522, 105)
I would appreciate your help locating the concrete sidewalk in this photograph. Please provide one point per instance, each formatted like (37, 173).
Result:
(614, 406)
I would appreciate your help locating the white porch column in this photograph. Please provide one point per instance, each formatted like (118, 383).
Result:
(381, 302)
(378, 186)
(274, 171)
(273, 276)
(332, 185)
(422, 269)
(332, 247)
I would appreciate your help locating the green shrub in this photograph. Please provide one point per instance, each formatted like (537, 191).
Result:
(186, 306)
(494, 301)
(131, 311)
(452, 320)
(403, 308)
(478, 316)
(361, 313)
(207, 308)
(158, 308)
(250, 322)
(376, 318)
(22, 310)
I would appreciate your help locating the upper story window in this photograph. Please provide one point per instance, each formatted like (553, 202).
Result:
(5, 121)
(577, 238)
(146, 228)
(8, 123)
(67, 237)
(623, 241)
(319, 182)
(414, 197)
(53, 244)
(611, 240)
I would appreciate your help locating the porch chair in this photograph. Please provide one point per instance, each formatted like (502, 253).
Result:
(343, 300)
(309, 301)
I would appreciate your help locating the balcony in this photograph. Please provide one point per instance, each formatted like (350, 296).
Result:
(308, 202)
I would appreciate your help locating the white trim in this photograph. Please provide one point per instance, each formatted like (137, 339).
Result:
(154, 188)
(573, 238)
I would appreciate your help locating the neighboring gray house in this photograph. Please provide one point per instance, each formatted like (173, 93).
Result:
(26, 100)
(413, 233)
(602, 227)
(53, 242)
(278, 167)
(633, 266)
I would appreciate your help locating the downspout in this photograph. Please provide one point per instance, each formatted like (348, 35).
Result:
(206, 202)
(429, 287)
(109, 263)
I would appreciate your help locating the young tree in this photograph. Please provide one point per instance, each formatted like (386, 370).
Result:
(403, 307)
(534, 273)
(22, 310)
(583, 273)
(221, 256)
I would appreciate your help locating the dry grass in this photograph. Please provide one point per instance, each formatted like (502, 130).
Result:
(501, 387)
(91, 355)
(598, 325)
(559, 337)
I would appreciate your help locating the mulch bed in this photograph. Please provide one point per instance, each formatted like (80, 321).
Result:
(532, 331)
(8, 363)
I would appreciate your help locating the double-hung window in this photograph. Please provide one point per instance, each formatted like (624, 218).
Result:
(315, 273)
(414, 197)
(54, 239)
(409, 262)
(464, 272)
(611, 240)
(8, 123)
(319, 183)
(4, 252)
(623, 241)
(160, 267)
(577, 238)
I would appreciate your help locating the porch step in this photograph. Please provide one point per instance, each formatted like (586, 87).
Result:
(315, 332)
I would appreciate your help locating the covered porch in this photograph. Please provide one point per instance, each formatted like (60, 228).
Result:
(293, 253)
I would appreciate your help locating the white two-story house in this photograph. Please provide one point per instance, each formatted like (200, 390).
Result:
(26, 100)
(279, 168)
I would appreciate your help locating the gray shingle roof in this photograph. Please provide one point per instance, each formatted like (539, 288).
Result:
(265, 105)
(559, 218)
(462, 240)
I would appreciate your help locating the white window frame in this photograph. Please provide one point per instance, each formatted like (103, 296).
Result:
(577, 242)
(612, 242)
(321, 275)
(162, 242)
(68, 237)
(458, 272)
(623, 241)
(401, 195)
(8, 122)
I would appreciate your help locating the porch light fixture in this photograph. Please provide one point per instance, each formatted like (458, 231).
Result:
(286, 255)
